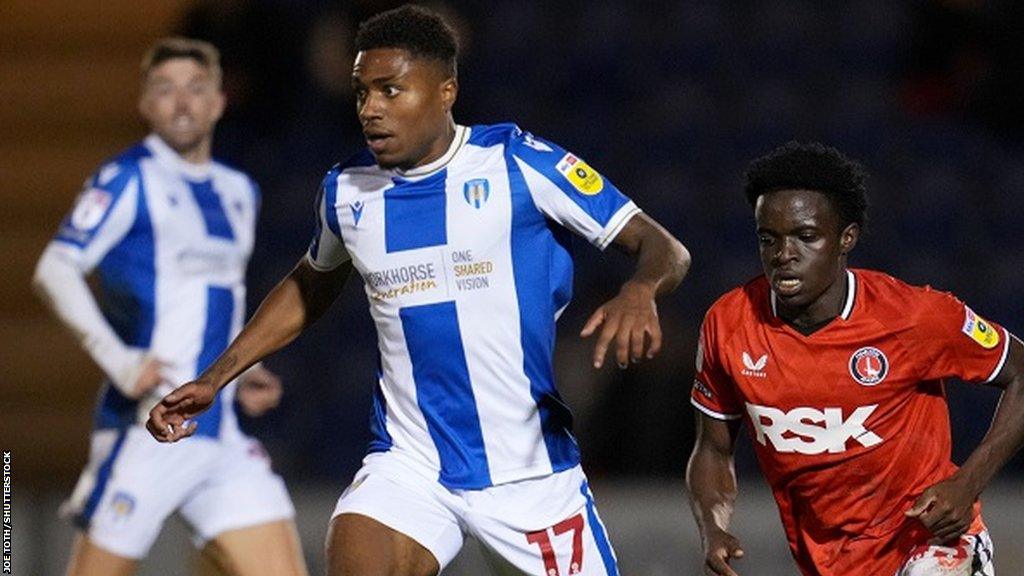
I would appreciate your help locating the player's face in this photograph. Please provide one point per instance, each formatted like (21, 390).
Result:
(404, 105)
(182, 101)
(803, 251)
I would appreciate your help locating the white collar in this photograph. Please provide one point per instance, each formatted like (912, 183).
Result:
(461, 136)
(167, 154)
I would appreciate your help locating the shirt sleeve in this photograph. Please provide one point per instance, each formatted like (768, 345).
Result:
(570, 192)
(102, 215)
(958, 342)
(327, 249)
(713, 392)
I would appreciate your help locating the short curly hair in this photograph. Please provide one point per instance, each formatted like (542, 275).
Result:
(424, 33)
(812, 166)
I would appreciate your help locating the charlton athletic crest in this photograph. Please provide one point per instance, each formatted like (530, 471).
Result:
(869, 366)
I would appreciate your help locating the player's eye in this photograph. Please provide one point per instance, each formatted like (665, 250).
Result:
(765, 240)
(808, 237)
(391, 91)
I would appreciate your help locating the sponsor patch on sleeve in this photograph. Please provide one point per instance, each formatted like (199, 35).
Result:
(89, 210)
(704, 390)
(580, 175)
(979, 330)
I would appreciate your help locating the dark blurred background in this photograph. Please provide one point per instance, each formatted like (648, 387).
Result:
(668, 100)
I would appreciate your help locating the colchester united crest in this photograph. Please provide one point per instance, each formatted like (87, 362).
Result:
(476, 192)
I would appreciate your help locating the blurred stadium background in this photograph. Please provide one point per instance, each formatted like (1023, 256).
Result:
(668, 99)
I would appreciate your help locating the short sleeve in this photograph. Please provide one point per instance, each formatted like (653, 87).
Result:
(569, 191)
(957, 341)
(327, 249)
(102, 215)
(713, 390)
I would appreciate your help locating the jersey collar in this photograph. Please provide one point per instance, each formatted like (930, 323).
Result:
(851, 295)
(169, 156)
(461, 136)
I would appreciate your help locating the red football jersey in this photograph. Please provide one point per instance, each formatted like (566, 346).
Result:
(850, 423)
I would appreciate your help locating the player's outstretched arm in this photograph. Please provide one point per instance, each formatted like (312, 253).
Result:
(711, 481)
(630, 320)
(946, 508)
(296, 302)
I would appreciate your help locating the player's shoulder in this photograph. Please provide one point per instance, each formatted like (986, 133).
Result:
(359, 162)
(489, 135)
(744, 304)
(893, 300)
(116, 172)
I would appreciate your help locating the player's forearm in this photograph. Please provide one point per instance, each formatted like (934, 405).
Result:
(62, 287)
(661, 261)
(711, 481)
(1005, 437)
(296, 302)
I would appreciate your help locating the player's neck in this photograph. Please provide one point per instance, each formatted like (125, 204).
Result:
(824, 309)
(199, 154)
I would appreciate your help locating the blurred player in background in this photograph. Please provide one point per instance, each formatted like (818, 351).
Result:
(168, 233)
(461, 237)
(839, 374)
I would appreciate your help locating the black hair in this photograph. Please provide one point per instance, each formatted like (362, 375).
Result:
(812, 166)
(424, 33)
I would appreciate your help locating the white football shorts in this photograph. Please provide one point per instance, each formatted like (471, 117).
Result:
(546, 526)
(132, 483)
(971, 556)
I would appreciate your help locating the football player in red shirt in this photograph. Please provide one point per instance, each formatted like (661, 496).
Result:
(838, 374)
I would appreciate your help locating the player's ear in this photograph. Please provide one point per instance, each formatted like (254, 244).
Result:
(449, 91)
(848, 237)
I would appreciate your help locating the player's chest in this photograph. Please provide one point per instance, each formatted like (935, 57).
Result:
(834, 368)
(200, 228)
(456, 224)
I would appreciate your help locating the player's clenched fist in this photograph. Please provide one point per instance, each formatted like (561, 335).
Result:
(173, 417)
(719, 550)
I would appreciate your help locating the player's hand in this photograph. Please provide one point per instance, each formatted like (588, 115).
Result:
(259, 391)
(173, 418)
(146, 376)
(946, 509)
(719, 549)
(630, 321)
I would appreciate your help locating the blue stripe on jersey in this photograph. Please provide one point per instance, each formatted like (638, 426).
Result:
(601, 206)
(330, 188)
(487, 135)
(540, 268)
(445, 394)
(600, 538)
(381, 440)
(127, 276)
(102, 479)
(220, 312)
(212, 209)
(414, 213)
(114, 410)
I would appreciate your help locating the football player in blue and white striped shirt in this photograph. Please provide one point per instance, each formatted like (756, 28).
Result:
(168, 233)
(461, 237)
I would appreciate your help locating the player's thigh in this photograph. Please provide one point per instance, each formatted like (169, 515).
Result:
(543, 527)
(392, 520)
(358, 545)
(87, 559)
(130, 486)
(241, 491)
(271, 548)
(970, 556)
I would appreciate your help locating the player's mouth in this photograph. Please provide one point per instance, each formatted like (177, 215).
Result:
(378, 141)
(785, 286)
(183, 122)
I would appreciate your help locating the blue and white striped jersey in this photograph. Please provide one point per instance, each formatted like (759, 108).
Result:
(467, 266)
(169, 242)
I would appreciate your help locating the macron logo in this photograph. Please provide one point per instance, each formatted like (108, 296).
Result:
(811, 431)
(754, 368)
(357, 211)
